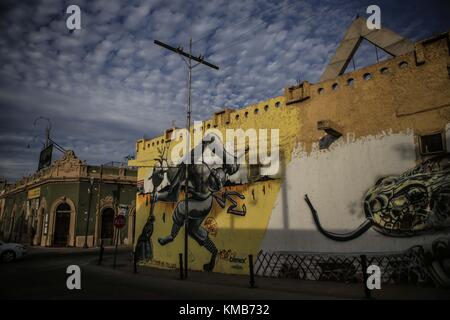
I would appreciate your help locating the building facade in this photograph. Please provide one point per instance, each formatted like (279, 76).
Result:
(363, 169)
(69, 203)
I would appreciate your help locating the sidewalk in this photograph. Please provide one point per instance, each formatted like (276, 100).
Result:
(37, 251)
(271, 288)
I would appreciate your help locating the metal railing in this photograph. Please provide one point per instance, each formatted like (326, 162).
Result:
(406, 268)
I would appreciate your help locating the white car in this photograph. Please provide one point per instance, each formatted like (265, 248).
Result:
(11, 251)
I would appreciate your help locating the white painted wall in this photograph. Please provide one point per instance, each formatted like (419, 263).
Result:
(336, 181)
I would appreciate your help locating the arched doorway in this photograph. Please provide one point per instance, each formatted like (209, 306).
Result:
(107, 228)
(62, 225)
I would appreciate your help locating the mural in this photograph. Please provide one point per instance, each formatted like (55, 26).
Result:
(205, 185)
(144, 246)
(414, 202)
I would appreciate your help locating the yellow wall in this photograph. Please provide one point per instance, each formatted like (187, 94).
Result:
(414, 98)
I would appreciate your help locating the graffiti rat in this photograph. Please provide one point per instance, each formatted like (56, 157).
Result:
(415, 202)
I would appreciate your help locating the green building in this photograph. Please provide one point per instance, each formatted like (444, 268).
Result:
(71, 204)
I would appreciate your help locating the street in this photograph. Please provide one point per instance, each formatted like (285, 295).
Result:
(42, 275)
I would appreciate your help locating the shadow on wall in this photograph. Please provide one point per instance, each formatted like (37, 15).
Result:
(402, 206)
(405, 151)
(424, 262)
(419, 265)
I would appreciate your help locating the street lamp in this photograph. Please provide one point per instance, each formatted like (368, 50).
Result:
(91, 181)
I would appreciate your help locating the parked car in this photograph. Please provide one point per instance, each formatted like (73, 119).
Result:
(11, 251)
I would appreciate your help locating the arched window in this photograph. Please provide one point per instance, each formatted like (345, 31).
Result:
(403, 64)
(384, 70)
(367, 76)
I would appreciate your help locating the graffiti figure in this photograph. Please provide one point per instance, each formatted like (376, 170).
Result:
(204, 181)
(414, 202)
(144, 247)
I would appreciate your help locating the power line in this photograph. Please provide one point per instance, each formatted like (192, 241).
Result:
(240, 21)
(238, 40)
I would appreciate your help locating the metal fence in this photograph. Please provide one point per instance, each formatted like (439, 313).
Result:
(405, 268)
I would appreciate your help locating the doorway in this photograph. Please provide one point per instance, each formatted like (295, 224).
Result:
(107, 228)
(62, 225)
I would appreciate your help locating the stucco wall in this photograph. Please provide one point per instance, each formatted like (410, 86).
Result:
(381, 120)
(336, 181)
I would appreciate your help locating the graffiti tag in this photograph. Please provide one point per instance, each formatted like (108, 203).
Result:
(231, 256)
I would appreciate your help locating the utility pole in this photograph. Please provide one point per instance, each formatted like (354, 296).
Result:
(48, 128)
(48, 139)
(200, 60)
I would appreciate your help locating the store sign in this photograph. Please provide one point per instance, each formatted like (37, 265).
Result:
(45, 158)
(34, 193)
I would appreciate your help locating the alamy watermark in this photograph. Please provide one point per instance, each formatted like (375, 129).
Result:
(238, 146)
(374, 20)
(73, 22)
(374, 277)
(74, 280)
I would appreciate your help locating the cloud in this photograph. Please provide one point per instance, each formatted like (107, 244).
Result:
(107, 85)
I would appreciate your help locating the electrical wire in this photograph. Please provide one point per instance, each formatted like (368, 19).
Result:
(238, 41)
(240, 21)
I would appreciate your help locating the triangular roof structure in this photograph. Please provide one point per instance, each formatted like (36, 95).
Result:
(383, 38)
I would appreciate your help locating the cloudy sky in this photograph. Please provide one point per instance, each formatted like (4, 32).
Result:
(107, 85)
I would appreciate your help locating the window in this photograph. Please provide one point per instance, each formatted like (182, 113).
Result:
(208, 126)
(403, 64)
(277, 104)
(350, 82)
(431, 144)
(266, 107)
(256, 111)
(246, 114)
(237, 117)
(367, 76)
(384, 70)
(326, 141)
(320, 91)
(335, 86)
